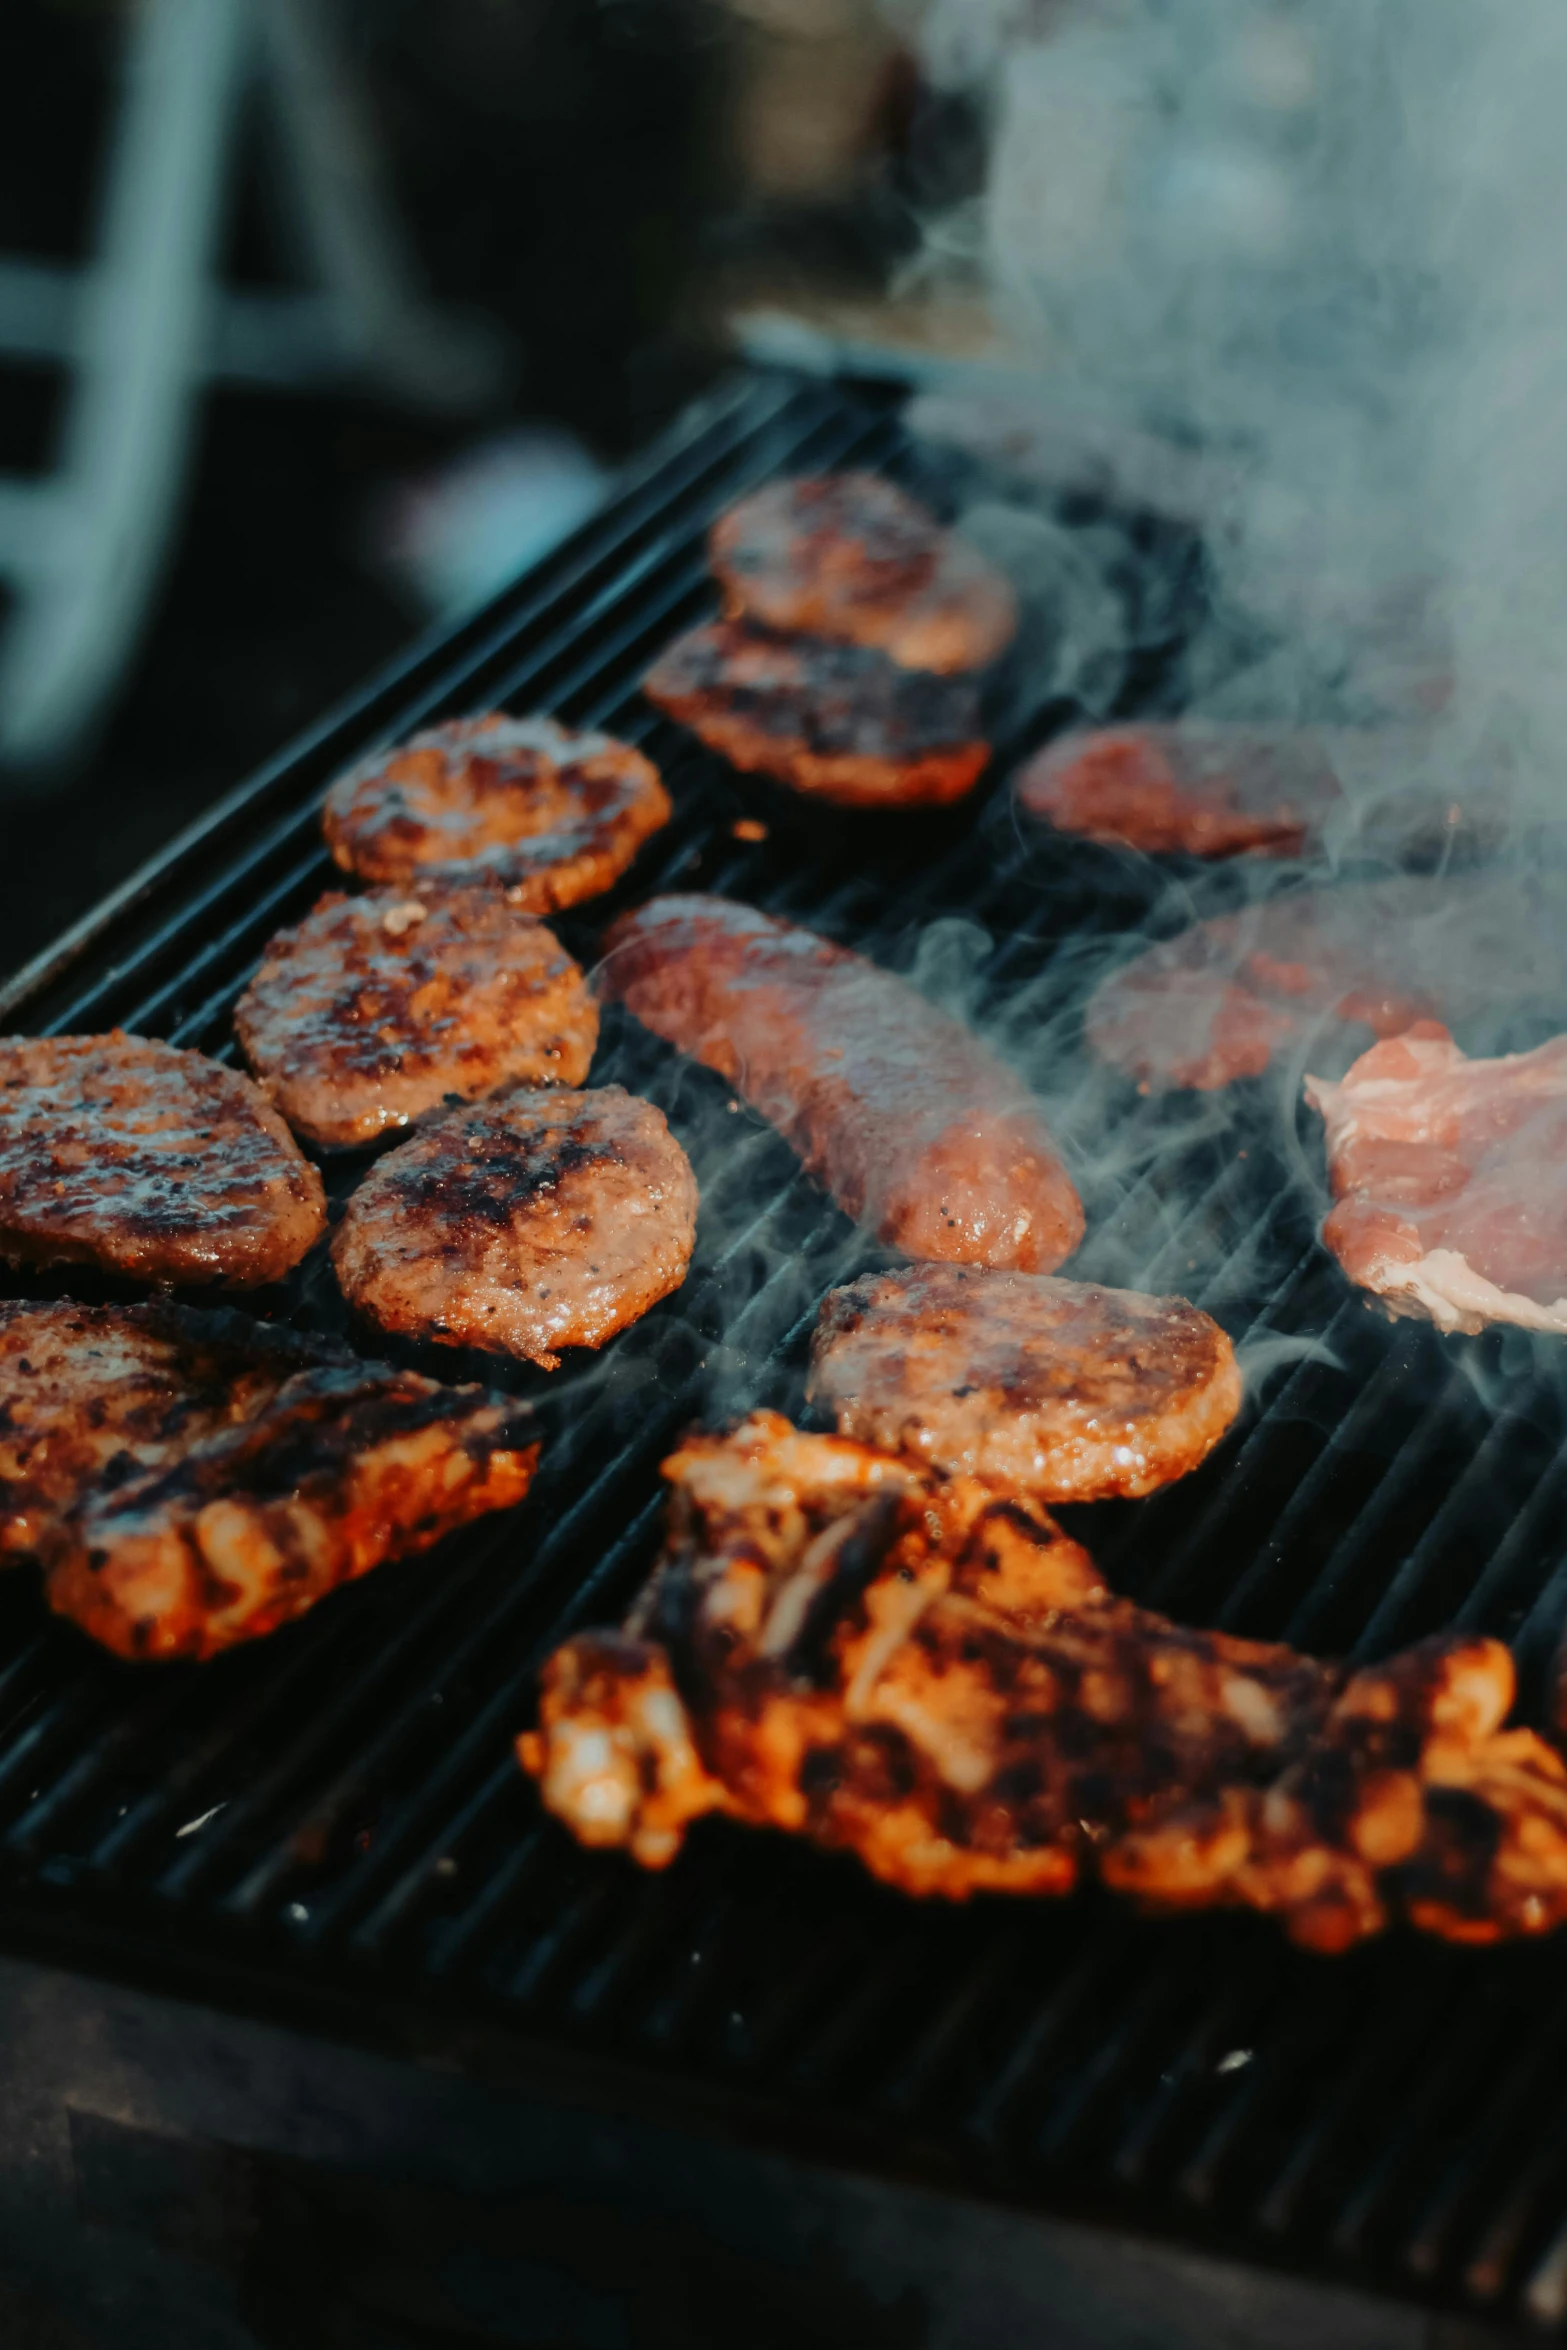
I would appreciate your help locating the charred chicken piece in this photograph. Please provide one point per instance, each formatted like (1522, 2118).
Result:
(1412, 1801)
(128, 1154)
(375, 1009)
(850, 556)
(1447, 1178)
(1058, 1389)
(914, 1669)
(92, 1396)
(898, 1110)
(1208, 789)
(544, 1220)
(835, 721)
(343, 1468)
(548, 816)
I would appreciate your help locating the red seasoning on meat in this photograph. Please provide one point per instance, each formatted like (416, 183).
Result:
(1448, 1179)
(850, 556)
(1207, 789)
(899, 1110)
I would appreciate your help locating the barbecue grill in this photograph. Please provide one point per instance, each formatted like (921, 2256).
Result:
(292, 1941)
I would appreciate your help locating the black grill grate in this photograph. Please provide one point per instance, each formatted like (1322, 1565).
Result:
(337, 1813)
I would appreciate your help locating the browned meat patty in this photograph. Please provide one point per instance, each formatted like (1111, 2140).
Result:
(1220, 1000)
(836, 722)
(121, 1152)
(1448, 1180)
(91, 1396)
(1053, 1388)
(552, 817)
(374, 1009)
(344, 1467)
(537, 1222)
(848, 555)
(900, 1111)
(1209, 789)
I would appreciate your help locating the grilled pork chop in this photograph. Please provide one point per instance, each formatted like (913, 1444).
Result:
(836, 721)
(1447, 1174)
(912, 1668)
(896, 1108)
(547, 1219)
(850, 556)
(1205, 788)
(374, 1009)
(1057, 1389)
(552, 817)
(128, 1154)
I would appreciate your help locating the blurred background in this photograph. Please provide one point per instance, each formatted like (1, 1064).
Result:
(318, 318)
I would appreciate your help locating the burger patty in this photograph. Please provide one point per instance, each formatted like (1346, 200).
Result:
(1447, 1178)
(835, 721)
(1220, 1000)
(374, 1009)
(545, 1220)
(1210, 790)
(91, 1396)
(900, 1111)
(1058, 1389)
(128, 1154)
(552, 817)
(849, 556)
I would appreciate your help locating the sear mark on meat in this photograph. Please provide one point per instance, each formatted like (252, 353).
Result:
(125, 1153)
(1208, 789)
(544, 1220)
(850, 556)
(977, 1712)
(835, 721)
(1058, 1389)
(1219, 1001)
(898, 1110)
(549, 816)
(376, 1009)
(1447, 1175)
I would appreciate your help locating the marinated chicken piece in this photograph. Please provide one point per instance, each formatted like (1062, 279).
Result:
(1057, 1389)
(91, 1396)
(898, 1110)
(343, 1468)
(124, 1153)
(1447, 1174)
(1411, 1801)
(1222, 999)
(375, 1009)
(837, 722)
(849, 556)
(545, 1220)
(550, 817)
(911, 1668)
(1209, 789)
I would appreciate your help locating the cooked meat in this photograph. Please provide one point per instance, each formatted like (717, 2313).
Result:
(120, 1152)
(1412, 1800)
(898, 1110)
(551, 817)
(930, 1675)
(540, 1221)
(835, 721)
(93, 1395)
(1218, 1001)
(1448, 1178)
(911, 1668)
(847, 555)
(374, 1009)
(342, 1468)
(1208, 789)
(1057, 1389)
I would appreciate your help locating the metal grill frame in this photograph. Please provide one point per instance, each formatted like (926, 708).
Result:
(380, 1871)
